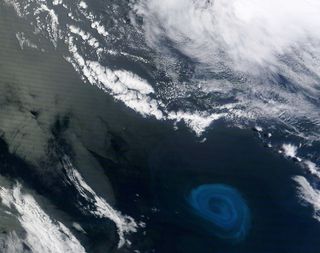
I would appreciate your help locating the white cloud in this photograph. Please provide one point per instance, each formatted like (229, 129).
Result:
(240, 34)
(309, 195)
(254, 42)
(43, 234)
(97, 206)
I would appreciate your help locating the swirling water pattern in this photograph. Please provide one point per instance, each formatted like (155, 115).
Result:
(224, 208)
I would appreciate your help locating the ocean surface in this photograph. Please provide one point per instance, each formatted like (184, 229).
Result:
(159, 126)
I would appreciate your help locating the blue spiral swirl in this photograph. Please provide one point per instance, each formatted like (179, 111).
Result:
(223, 208)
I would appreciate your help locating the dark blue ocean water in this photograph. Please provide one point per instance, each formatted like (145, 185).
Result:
(152, 168)
(235, 158)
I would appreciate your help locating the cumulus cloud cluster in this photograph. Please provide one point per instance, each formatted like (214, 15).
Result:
(239, 33)
(265, 55)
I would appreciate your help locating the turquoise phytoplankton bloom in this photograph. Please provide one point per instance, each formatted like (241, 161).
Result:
(223, 209)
